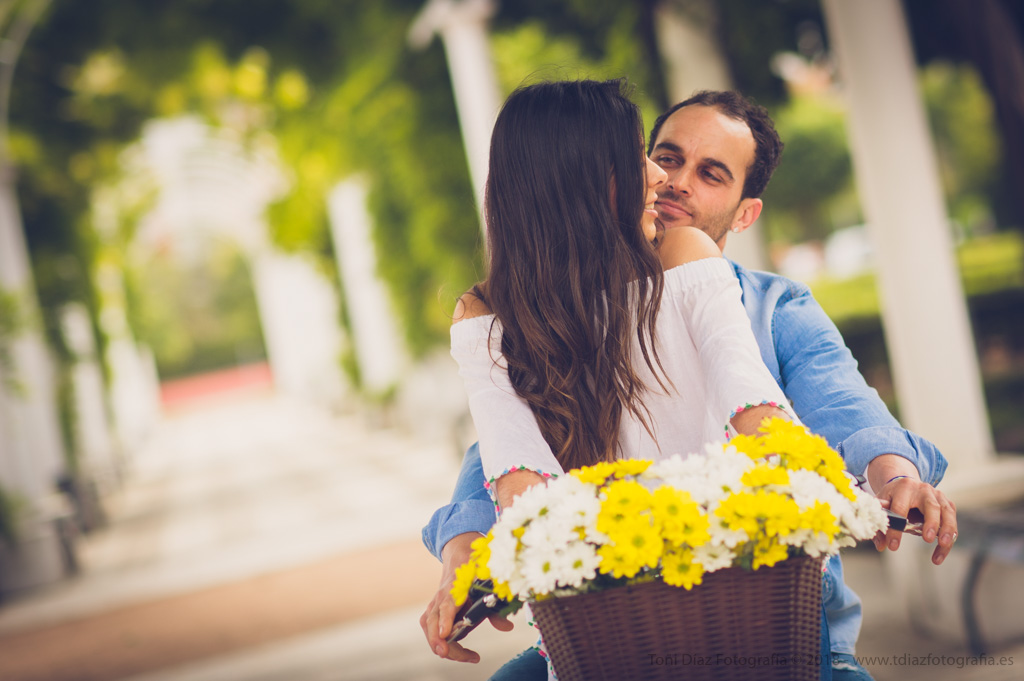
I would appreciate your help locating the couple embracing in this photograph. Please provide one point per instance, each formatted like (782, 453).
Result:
(611, 326)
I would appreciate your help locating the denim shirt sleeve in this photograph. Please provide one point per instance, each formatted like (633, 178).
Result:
(831, 397)
(471, 508)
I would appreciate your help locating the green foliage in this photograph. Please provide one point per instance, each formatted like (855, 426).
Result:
(847, 300)
(335, 84)
(527, 52)
(815, 171)
(963, 124)
(812, 192)
(992, 263)
(987, 265)
(10, 507)
(591, 25)
(12, 323)
(426, 230)
(195, 314)
(752, 31)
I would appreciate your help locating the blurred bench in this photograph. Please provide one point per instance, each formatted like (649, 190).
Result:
(990, 533)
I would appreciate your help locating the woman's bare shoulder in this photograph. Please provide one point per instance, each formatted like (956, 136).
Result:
(685, 244)
(470, 305)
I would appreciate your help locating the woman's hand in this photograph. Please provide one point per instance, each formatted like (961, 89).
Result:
(439, 617)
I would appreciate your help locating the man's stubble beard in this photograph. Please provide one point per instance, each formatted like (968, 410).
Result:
(715, 226)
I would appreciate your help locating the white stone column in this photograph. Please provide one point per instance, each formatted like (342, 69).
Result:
(210, 183)
(927, 330)
(928, 333)
(36, 451)
(96, 447)
(694, 61)
(375, 333)
(299, 315)
(31, 447)
(462, 25)
(134, 399)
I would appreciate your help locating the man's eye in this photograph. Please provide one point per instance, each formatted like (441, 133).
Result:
(665, 160)
(710, 176)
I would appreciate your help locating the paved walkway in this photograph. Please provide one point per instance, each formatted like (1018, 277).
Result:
(261, 540)
(244, 523)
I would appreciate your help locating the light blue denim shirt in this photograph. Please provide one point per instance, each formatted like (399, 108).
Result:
(807, 356)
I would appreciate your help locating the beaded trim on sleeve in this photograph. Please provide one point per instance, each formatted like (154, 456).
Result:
(743, 408)
(489, 484)
(542, 649)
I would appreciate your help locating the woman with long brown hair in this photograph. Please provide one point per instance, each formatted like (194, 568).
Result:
(573, 304)
(586, 343)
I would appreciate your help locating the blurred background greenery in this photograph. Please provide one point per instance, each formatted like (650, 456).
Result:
(336, 86)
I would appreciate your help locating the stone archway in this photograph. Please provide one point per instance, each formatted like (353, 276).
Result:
(210, 183)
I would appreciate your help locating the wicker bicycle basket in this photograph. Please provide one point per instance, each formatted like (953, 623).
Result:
(764, 624)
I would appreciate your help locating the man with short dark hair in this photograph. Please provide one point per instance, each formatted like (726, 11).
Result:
(731, 104)
(719, 151)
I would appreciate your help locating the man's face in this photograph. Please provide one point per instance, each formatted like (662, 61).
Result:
(705, 155)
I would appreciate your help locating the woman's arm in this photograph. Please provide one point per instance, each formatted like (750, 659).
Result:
(514, 454)
(748, 420)
(706, 296)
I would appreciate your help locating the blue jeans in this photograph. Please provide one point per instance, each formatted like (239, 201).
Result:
(530, 666)
(526, 666)
(845, 668)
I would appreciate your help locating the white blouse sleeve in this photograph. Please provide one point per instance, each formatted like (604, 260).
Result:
(705, 296)
(510, 438)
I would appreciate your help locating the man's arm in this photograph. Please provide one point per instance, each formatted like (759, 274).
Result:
(439, 617)
(471, 510)
(449, 536)
(828, 393)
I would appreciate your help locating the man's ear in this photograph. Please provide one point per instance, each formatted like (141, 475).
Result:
(747, 213)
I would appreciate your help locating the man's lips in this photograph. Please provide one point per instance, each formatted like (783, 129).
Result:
(671, 209)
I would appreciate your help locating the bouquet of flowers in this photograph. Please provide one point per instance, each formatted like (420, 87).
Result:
(750, 503)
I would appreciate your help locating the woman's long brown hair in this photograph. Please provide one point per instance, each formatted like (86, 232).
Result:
(572, 279)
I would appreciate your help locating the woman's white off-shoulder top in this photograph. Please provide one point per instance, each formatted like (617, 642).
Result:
(708, 352)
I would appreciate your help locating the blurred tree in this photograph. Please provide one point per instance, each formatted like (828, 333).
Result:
(609, 38)
(526, 53)
(812, 192)
(815, 171)
(340, 91)
(963, 124)
(336, 85)
(752, 31)
(196, 315)
(334, 82)
(988, 34)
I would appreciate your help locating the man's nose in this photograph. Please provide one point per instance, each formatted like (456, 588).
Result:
(679, 181)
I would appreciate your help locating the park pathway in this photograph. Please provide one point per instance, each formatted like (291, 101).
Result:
(254, 538)
(259, 539)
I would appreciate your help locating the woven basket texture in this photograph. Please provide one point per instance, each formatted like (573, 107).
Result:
(764, 624)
